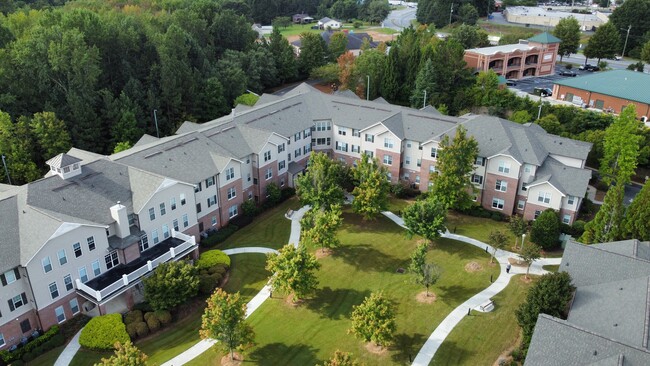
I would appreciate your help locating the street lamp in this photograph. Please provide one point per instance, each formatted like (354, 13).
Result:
(523, 237)
(155, 119)
(368, 88)
(451, 12)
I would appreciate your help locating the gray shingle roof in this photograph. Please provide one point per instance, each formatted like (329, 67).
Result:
(9, 233)
(62, 160)
(569, 180)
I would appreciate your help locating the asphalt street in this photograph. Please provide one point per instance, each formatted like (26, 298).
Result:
(529, 84)
(399, 19)
(580, 60)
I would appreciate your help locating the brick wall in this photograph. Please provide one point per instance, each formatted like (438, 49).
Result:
(131, 253)
(226, 204)
(529, 211)
(12, 332)
(394, 167)
(47, 315)
(508, 196)
(617, 104)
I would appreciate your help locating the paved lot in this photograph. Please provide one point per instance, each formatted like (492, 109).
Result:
(529, 84)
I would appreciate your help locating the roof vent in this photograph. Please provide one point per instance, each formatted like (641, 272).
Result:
(595, 353)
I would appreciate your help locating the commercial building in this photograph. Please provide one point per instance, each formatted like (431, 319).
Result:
(609, 91)
(80, 239)
(548, 17)
(535, 56)
(607, 321)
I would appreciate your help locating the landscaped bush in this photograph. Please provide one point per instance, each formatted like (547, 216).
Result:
(132, 331)
(50, 339)
(142, 329)
(133, 316)
(148, 315)
(249, 208)
(218, 269)
(153, 323)
(163, 316)
(212, 258)
(241, 221)
(479, 211)
(220, 236)
(287, 193)
(102, 332)
(143, 306)
(208, 282)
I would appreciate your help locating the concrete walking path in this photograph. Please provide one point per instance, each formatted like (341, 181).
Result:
(69, 351)
(430, 347)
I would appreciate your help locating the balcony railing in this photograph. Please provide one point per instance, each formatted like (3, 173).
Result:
(179, 245)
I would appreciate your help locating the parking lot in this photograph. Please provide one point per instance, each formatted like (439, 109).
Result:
(527, 85)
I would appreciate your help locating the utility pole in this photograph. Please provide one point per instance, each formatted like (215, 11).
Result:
(155, 119)
(451, 12)
(368, 88)
(424, 103)
(539, 113)
(6, 170)
(625, 45)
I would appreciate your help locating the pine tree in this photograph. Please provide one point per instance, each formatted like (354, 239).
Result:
(390, 83)
(621, 147)
(424, 86)
(637, 218)
(607, 225)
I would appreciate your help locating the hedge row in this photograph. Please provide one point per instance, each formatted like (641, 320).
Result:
(47, 341)
(212, 258)
(479, 211)
(139, 325)
(102, 332)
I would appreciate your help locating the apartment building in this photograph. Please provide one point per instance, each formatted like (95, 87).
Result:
(81, 238)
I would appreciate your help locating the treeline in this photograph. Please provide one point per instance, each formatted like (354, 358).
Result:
(444, 12)
(104, 68)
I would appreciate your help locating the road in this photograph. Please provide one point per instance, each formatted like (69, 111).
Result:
(580, 60)
(528, 84)
(400, 19)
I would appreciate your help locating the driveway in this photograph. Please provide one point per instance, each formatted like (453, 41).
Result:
(400, 19)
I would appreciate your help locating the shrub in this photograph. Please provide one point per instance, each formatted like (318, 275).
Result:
(148, 315)
(219, 269)
(496, 216)
(273, 194)
(212, 258)
(132, 331)
(208, 282)
(153, 323)
(18, 363)
(102, 332)
(142, 329)
(579, 227)
(133, 316)
(546, 229)
(249, 208)
(33, 349)
(163, 316)
(287, 193)
(220, 236)
(357, 24)
(143, 306)
(171, 284)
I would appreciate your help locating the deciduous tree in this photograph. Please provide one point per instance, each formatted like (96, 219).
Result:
(529, 254)
(374, 320)
(546, 229)
(621, 147)
(293, 271)
(313, 52)
(568, 30)
(467, 14)
(50, 134)
(171, 284)
(341, 359)
(451, 182)
(338, 45)
(607, 225)
(604, 43)
(425, 218)
(470, 36)
(497, 239)
(319, 227)
(371, 187)
(517, 226)
(224, 320)
(636, 224)
(125, 355)
(320, 185)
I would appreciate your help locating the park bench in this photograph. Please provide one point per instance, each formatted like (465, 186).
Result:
(487, 306)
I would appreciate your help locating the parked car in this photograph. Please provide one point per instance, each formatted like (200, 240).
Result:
(511, 82)
(589, 67)
(545, 92)
(617, 58)
(568, 73)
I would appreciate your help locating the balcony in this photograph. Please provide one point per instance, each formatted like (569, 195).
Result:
(123, 276)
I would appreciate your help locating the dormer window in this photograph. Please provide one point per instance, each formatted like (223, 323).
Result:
(65, 166)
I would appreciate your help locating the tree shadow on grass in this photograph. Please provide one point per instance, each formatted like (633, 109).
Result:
(337, 303)
(456, 294)
(451, 353)
(281, 354)
(406, 347)
(381, 224)
(368, 259)
(460, 249)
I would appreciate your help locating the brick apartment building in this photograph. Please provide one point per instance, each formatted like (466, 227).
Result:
(81, 238)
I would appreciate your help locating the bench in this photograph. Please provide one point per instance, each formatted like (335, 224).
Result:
(289, 214)
(487, 306)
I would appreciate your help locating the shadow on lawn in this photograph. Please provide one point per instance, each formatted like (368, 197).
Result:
(456, 294)
(406, 347)
(458, 248)
(451, 353)
(335, 304)
(280, 354)
(368, 259)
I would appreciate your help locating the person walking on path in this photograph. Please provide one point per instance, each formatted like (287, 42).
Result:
(508, 266)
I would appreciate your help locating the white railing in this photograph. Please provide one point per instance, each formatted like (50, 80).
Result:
(175, 252)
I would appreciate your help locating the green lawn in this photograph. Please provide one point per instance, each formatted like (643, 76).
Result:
(296, 29)
(480, 338)
(551, 268)
(477, 227)
(367, 261)
(396, 205)
(47, 358)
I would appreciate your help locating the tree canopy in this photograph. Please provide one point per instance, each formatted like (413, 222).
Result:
(371, 187)
(567, 30)
(320, 185)
(374, 320)
(319, 227)
(607, 225)
(621, 147)
(293, 271)
(546, 229)
(425, 218)
(125, 354)
(604, 43)
(171, 284)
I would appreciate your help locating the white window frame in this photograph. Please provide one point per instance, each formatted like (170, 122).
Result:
(232, 211)
(269, 174)
(501, 185)
(91, 243)
(544, 197)
(47, 264)
(175, 225)
(230, 173)
(63, 259)
(389, 143)
(83, 273)
(183, 200)
(163, 209)
(155, 237)
(58, 312)
(76, 247)
(521, 204)
(74, 304)
(96, 267)
(282, 164)
(232, 193)
(111, 259)
(172, 203)
(496, 202)
(388, 159)
(566, 219)
(54, 290)
(186, 220)
(10, 277)
(370, 138)
(504, 167)
(267, 154)
(477, 179)
(152, 214)
(67, 282)
(434, 152)
(2, 340)
(570, 200)
(144, 242)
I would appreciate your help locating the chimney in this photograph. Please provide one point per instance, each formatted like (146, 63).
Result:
(118, 212)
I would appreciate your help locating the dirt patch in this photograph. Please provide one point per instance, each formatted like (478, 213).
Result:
(517, 262)
(472, 267)
(600, 195)
(376, 349)
(526, 280)
(323, 253)
(237, 360)
(505, 355)
(291, 301)
(423, 298)
(423, 241)
(381, 37)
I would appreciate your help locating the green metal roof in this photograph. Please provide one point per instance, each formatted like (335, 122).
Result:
(624, 84)
(502, 79)
(544, 38)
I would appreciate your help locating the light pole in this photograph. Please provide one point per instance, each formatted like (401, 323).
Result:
(424, 103)
(539, 113)
(155, 119)
(6, 170)
(523, 237)
(451, 12)
(626, 37)
(368, 88)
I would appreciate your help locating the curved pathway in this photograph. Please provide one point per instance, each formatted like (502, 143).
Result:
(428, 350)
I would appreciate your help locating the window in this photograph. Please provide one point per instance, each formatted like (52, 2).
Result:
(282, 165)
(144, 242)
(186, 221)
(478, 179)
(111, 259)
(250, 196)
(342, 131)
(370, 138)
(47, 264)
(480, 161)
(212, 200)
(2, 340)
(154, 235)
(198, 207)
(369, 153)
(355, 148)
(523, 187)
(388, 160)
(172, 203)
(269, 174)
(76, 248)
(566, 219)
(163, 211)
(54, 291)
(74, 306)
(408, 144)
(267, 155)
(67, 281)
(60, 314)
(183, 201)
(356, 133)
(537, 213)
(417, 179)
(501, 185)
(407, 160)
(230, 172)
(570, 200)
(209, 182)
(340, 146)
(17, 301)
(83, 275)
(434, 153)
(389, 176)
(10, 277)
(296, 137)
(520, 204)
(323, 126)
(25, 326)
(91, 243)
(527, 168)
(63, 259)
(165, 230)
(388, 143)
(152, 214)
(96, 269)
(504, 167)
(419, 146)
(131, 218)
(175, 224)
(497, 203)
(432, 169)
(282, 182)
(280, 148)
(306, 149)
(296, 153)
(232, 211)
(197, 188)
(66, 169)
(213, 220)
(248, 160)
(232, 193)
(419, 162)
(544, 197)
(248, 177)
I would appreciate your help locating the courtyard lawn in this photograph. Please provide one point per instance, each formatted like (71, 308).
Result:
(270, 229)
(552, 268)
(47, 358)
(480, 338)
(247, 276)
(477, 227)
(396, 205)
(367, 261)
